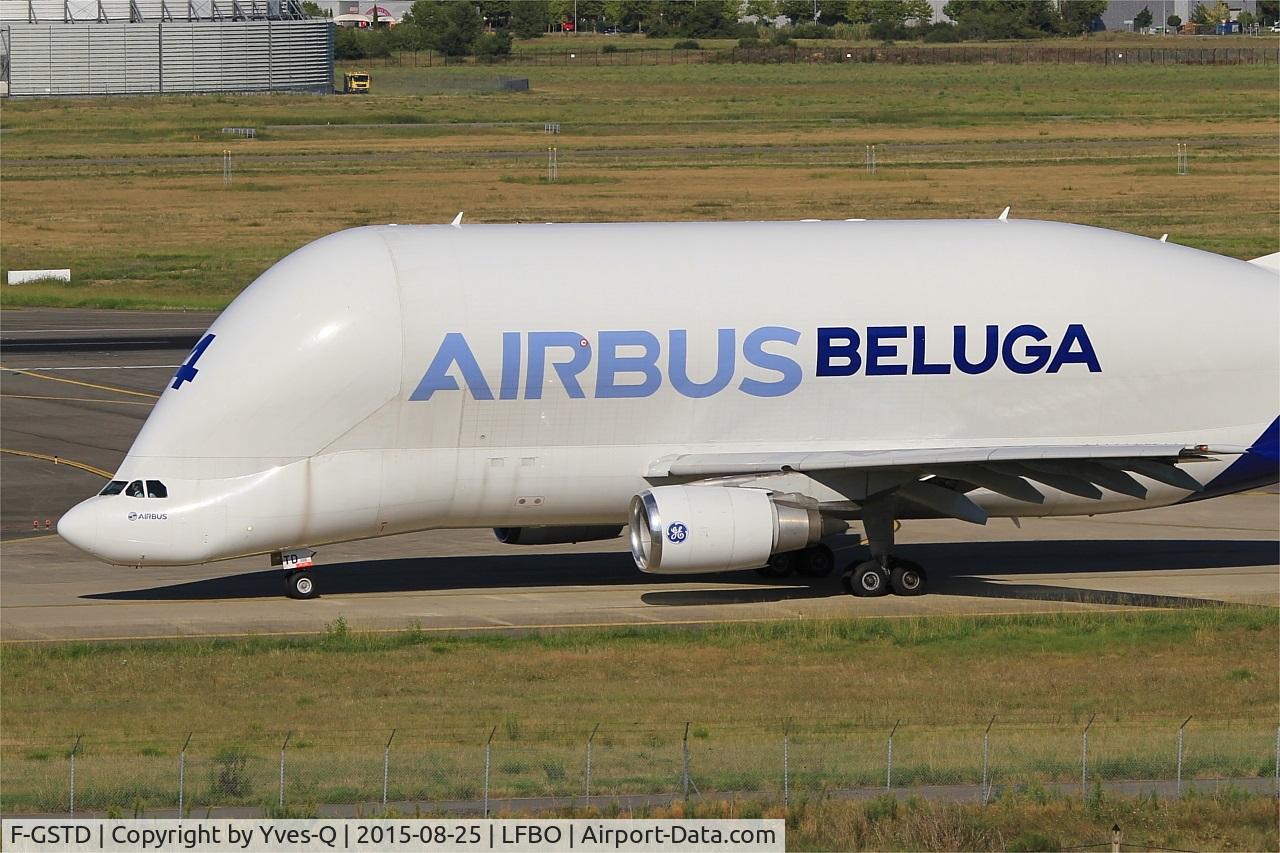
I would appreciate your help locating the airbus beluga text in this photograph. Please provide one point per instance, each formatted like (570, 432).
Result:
(732, 393)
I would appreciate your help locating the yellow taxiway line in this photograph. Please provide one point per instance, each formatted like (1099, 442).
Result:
(22, 539)
(73, 399)
(59, 460)
(110, 388)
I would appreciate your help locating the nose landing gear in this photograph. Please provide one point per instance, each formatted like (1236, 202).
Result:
(298, 582)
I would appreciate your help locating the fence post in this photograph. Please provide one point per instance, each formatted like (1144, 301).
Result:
(1180, 730)
(487, 745)
(888, 764)
(1278, 762)
(786, 764)
(182, 775)
(386, 768)
(986, 745)
(283, 746)
(685, 762)
(590, 738)
(1084, 757)
(71, 800)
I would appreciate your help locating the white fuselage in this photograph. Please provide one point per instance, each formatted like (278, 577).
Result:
(397, 378)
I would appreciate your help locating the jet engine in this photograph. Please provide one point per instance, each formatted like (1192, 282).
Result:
(687, 529)
(556, 535)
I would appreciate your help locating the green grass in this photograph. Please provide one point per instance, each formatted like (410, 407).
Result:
(1035, 820)
(129, 192)
(842, 684)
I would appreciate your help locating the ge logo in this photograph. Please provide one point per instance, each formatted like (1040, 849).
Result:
(677, 532)
(133, 516)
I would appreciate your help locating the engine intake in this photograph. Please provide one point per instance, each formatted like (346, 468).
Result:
(688, 529)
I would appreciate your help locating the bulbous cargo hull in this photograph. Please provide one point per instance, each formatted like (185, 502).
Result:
(397, 378)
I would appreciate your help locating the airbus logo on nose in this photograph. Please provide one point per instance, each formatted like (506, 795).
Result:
(148, 516)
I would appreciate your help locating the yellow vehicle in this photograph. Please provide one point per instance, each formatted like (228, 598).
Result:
(357, 82)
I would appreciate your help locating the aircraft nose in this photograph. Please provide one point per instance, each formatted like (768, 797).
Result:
(79, 526)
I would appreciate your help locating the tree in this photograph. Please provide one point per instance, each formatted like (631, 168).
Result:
(764, 10)
(494, 44)
(1219, 12)
(886, 17)
(1200, 16)
(407, 36)
(463, 26)
(426, 15)
(561, 11)
(590, 13)
(1174, 22)
(1246, 19)
(630, 15)
(449, 26)
(1142, 20)
(921, 11)
(989, 19)
(496, 13)
(832, 12)
(529, 18)
(1043, 17)
(1078, 15)
(313, 10)
(1268, 12)
(797, 11)
(708, 19)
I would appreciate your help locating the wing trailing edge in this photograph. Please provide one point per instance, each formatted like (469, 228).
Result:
(936, 478)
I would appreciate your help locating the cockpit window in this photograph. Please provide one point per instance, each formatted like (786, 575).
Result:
(115, 487)
(135, 490)
(156, 489)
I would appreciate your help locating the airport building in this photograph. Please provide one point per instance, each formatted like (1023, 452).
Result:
(130, 47)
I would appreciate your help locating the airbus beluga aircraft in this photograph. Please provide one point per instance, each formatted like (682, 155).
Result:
(731, 393)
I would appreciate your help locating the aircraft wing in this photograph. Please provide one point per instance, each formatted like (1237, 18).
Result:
(936, 478)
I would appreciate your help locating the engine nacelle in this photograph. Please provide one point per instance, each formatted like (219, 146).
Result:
(687, 529)
(556, 535)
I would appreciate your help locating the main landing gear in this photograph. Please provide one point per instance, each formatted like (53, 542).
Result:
(298, 582)
(879, 577)
(813, 562)
(883, 573)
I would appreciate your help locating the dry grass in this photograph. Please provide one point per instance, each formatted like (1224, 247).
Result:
(842, 683)
(1033, 821)
(129, 193)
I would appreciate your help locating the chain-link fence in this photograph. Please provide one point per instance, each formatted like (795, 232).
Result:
(898, 55)
(595, 764)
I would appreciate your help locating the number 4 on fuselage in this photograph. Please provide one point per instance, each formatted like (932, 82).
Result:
(187, 370)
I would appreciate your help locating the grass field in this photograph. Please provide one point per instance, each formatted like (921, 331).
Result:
(842, 684)
(1028, 821)
(129, 192)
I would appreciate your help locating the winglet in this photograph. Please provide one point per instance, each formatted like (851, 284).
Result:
(1004, 215)
(1164, 238)
(457, 220)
